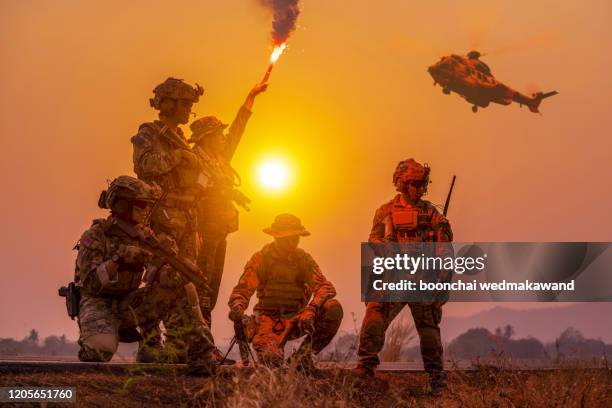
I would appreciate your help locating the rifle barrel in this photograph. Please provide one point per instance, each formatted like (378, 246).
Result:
(448, 197)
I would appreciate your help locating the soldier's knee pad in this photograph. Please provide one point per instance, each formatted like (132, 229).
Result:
(103, 343)
(332, 310)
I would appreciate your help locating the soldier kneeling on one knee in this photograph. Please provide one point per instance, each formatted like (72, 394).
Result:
(112, 256)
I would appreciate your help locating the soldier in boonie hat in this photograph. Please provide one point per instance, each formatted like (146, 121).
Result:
(294, 297)
(286, 225)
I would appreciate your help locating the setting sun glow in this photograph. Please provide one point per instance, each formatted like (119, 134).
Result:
(273, 174)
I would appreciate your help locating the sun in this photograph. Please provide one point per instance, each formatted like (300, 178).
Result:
(273, 174)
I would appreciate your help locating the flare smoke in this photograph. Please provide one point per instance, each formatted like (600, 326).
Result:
(285, 16)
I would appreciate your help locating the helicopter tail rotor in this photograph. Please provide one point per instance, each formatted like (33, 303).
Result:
(537, 99)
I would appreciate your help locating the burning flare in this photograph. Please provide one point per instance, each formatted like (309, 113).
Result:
(276, 53)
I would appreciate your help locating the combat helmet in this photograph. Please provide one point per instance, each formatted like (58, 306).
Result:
(173, 88)
(129, 189)
(407, 170)
(204, 127)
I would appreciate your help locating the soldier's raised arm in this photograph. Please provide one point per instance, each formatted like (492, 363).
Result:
(236, 130)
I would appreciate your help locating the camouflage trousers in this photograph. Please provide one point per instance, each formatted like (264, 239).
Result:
(104, 322)
(379, 316)
(270, 333)
(176, 224)
(211, 260)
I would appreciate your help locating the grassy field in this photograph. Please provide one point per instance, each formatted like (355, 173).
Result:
(486, 387)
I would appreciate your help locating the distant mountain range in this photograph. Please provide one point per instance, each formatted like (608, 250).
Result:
(593, 320)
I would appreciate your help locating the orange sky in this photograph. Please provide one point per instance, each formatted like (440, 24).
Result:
(349, 99)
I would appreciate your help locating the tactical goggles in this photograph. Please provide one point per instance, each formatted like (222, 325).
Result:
(141, 204)
(418, 183)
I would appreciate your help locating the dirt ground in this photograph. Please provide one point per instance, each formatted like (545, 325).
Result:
(487, 387)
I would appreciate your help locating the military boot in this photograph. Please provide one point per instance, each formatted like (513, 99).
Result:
(438, 382)
(146, 355)
(90, 355)
(204, 365)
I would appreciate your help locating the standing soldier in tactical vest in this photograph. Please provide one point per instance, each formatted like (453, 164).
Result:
(295, 299)
(109, 270)
(217, 215)
(163, 156)
(410, 179)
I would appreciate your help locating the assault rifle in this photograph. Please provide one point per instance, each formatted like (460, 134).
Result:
(188, 270)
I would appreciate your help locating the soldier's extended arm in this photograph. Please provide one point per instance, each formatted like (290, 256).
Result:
(247, 284)
(150, 161)
(235, 132)
(188, 270)
(237, 127)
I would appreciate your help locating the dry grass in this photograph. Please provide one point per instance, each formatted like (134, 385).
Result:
(399, 335)
(487, 387)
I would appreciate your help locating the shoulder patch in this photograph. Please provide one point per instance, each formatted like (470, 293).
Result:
(94, 237)
(91, 239)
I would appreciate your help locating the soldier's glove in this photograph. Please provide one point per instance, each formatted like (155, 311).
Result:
(133, 255)
(305, 320)
(236, 313)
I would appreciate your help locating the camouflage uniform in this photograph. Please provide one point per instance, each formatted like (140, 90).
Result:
(217, 215)
(288, 287)
(109, 269)
(430, 226)
(162, 156)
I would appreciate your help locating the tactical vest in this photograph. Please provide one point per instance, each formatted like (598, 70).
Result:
(128, 277)
(282, 289)
(181, 179)
(412, 223)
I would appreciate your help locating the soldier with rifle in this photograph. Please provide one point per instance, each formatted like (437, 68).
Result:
(163, 156)
(295, 299)
(407, 218)
(106, 295)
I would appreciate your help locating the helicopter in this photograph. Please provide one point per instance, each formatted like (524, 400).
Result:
(472, 79)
